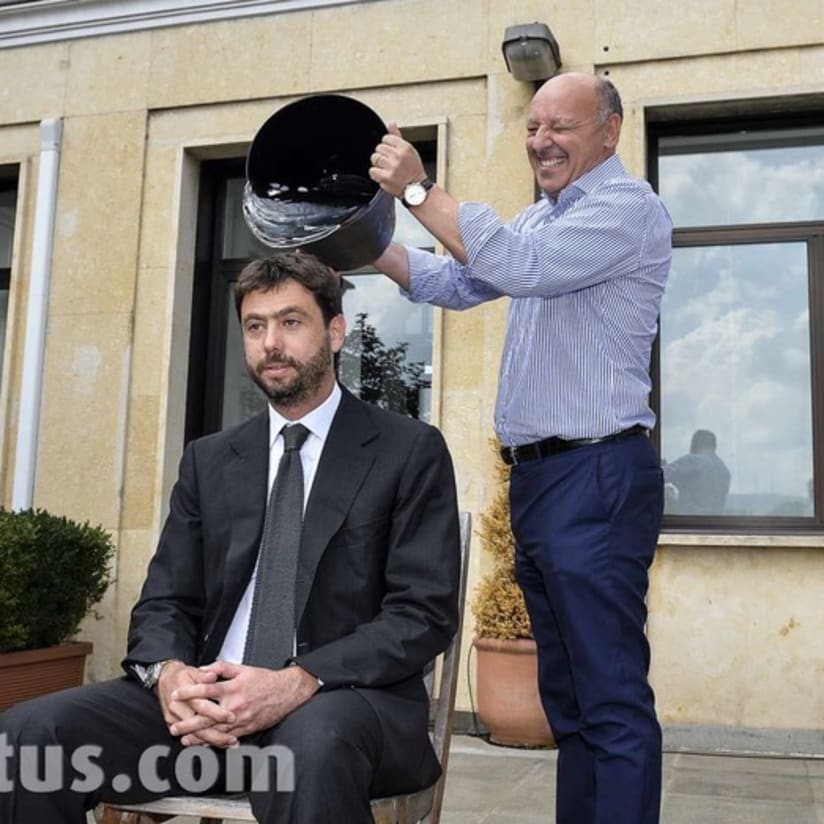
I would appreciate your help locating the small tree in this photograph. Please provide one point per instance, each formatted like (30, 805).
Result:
(52, 572)
(378, 373)
(498, 603)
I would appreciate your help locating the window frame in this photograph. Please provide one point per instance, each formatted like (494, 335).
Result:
(810, 232)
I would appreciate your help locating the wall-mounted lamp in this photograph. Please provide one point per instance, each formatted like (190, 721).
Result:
(531, 52)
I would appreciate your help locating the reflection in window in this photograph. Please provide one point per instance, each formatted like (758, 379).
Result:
(741, 324)
(736, 421)
(743, 177)
(387, 357)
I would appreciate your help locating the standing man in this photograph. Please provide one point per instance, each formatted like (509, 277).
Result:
(585, 267)
(373, 597)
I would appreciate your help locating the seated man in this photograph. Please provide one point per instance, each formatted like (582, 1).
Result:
(238, 640)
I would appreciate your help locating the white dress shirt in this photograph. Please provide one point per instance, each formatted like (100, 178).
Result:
(318, 422)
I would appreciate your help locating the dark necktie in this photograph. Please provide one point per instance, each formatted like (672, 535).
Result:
(272, 617)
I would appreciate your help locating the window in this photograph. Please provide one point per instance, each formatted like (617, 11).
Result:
(387, 357)
(8, 201)
(740, 358)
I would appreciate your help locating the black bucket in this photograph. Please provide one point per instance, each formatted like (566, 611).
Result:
(308, 184)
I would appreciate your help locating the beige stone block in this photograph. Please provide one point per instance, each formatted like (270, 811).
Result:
(486, 161)
(811, 66)
(206, 128)
(734, 77)
(507, 101)
(424, 103)
(647, 29)
(141, 463)
(157, 214)
(81, 447)
(730, 646)
(18, 142)
(34, 82)
(239, 59)
(381, 44)
(108, 74)
(151, 319)
(761, 24)
(98, 218)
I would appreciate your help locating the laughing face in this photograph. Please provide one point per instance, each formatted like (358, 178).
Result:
(566, 132)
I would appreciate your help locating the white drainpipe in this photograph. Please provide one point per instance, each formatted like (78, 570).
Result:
(28, 423)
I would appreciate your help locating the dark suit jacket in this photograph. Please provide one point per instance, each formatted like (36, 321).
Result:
(379, 559)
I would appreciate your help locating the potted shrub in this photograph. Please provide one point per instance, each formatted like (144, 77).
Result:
(52, 572)
(506, 661)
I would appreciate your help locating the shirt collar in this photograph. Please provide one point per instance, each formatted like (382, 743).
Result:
(591, 180)
(318, 421)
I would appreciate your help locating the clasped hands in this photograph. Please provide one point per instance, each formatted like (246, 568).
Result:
(219, 703)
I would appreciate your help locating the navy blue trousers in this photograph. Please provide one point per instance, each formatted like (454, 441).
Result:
(586, 524)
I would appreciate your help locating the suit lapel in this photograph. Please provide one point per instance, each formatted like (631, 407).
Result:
(342, 467)
(245, 482)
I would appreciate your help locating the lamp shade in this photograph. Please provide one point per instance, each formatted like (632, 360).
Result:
(531, 52)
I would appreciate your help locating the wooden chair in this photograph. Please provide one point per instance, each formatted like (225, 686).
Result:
(422, 806)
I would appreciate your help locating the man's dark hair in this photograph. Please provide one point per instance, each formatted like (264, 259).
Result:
(305, 269)
(609, 101)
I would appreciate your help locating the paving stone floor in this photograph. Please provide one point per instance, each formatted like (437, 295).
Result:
(500, 785)
(487, 784)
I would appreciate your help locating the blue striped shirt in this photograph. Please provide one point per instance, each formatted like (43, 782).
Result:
(586, 274)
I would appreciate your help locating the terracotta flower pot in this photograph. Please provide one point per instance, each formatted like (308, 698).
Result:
(34, 672)
(508, 700)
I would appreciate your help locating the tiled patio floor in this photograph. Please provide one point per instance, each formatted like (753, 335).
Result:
(487, 784)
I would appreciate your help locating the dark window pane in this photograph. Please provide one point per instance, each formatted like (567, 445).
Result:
(8, 199)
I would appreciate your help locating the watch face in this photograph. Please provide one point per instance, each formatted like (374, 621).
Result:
(414, 194)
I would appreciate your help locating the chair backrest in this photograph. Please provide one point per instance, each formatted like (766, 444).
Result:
(444, 702)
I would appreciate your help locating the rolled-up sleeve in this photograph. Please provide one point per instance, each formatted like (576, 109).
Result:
(441, 280)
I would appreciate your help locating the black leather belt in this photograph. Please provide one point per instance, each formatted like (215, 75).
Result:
(552, 446)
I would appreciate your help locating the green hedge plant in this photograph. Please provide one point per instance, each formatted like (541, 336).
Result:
(52, 572)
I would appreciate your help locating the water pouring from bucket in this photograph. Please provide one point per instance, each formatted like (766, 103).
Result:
(308, 185)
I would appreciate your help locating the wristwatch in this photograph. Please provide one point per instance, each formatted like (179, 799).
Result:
(149, 675)
(415, 193)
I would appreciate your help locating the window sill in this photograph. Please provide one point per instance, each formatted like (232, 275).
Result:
(704, 539)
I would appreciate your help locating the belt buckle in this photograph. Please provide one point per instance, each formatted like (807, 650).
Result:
(512, 454)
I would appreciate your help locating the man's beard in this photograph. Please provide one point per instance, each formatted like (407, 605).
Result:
(309, 377)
